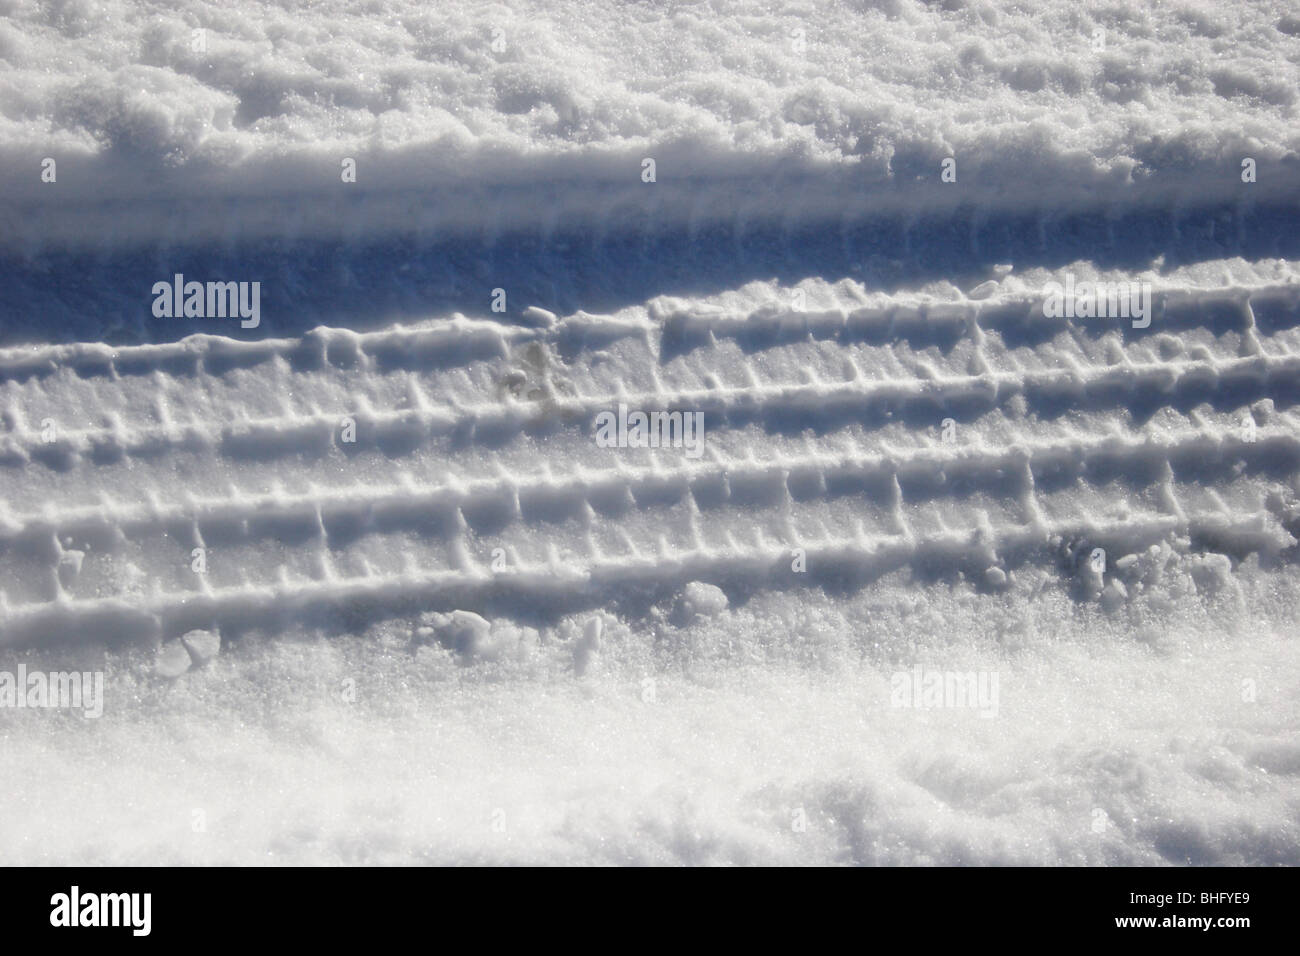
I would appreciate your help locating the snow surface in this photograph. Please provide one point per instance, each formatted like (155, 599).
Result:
(803, 104)
(475, 635)
(889, 84)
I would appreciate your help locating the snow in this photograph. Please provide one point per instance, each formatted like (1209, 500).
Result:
(365, 589)
(771, 710)
(801, 102)
(896, 83)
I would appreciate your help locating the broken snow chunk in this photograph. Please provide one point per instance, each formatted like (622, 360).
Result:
(173, 660)
(202, 645)
(509, 640)
(587, 646)
(1113, 596)
(706, 599)
(539, 316)
(702, 600)
(1211, 572)
(995, 577)
(473, 638)
(464, 632)
(1264, 411)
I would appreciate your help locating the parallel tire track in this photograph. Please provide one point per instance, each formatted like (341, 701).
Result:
(494, 385)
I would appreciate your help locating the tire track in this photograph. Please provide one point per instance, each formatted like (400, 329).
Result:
(562, 584)
(642, 523)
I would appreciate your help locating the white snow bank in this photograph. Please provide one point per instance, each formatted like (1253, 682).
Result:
(250, 120)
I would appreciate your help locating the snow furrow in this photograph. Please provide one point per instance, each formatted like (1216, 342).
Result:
(458, 340)
(575, 582)
(321, 506)
(1176, 381)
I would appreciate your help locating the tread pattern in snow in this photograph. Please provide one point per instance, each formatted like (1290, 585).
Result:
(823, 434)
